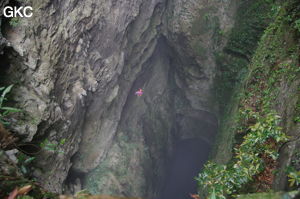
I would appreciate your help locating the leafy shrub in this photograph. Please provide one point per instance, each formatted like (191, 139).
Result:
(294, 177)
(223, 180)
(297, 25)
(52, 146)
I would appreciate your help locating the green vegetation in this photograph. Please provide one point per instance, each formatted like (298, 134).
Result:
(248, 160)
(14, 181)
(297, 25)
(51, 146)
(5, 110)
(292, 172)
(294, 177)
(270, 88)
(10, 183)
(252, 19)
(23, 162)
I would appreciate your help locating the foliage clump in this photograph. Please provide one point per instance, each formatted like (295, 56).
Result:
(248, 160)
(6, 138)
(294, 177)
(271, 83)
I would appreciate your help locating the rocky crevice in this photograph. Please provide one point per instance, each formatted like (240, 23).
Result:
(79, 65)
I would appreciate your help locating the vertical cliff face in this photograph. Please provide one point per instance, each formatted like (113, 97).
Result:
(270, 86)
(76, 65)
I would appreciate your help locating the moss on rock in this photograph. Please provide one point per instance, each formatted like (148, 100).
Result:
(270, 84)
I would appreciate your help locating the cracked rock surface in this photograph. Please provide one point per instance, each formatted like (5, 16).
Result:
(76, 65)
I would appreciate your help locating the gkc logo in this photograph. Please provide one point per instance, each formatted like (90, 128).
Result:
(10, 11)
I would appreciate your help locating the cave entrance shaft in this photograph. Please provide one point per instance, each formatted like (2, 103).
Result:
(149, 128)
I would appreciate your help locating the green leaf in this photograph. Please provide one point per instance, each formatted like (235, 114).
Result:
(51, 145)
(7, 90)
(11, 110)
(292, 182)
(27, 161)
(213, 195)
(24, 170)
(49, 148)
(62, 141)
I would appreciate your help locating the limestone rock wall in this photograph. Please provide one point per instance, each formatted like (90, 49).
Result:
(76, 65)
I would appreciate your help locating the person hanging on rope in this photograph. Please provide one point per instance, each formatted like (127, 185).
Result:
(139, 92)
